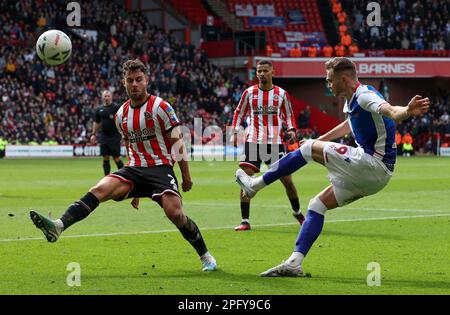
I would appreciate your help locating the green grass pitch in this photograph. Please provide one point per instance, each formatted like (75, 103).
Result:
(120, 250)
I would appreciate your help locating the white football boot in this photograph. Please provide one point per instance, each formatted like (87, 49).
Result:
(245, 182)
(283, 270)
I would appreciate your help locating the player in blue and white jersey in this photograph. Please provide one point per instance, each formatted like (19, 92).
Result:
(354, 172)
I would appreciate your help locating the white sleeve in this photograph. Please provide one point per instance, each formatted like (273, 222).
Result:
(370, 101)
(118, 121)
(168, 116)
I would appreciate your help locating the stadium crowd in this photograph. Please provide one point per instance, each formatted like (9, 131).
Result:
(434, 125)
(411, 25)
(40, 103)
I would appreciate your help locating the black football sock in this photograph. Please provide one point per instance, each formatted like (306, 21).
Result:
(245, 210)
(192, 234)
(295, 203)
(106, 167)
(79, 210)
(119, 164)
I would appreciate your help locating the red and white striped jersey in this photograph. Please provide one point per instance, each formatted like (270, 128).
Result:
(145, 128)
(267, 111)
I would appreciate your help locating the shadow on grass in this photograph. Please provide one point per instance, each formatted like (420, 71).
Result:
(400, 284)
(370, 235)
(225, 282)
(294, 232)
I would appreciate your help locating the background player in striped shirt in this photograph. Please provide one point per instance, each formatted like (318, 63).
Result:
(268, 107)
(149, 127)
(353, 172)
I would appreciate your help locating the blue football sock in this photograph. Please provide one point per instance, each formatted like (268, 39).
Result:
(284, 166)
(309, 232)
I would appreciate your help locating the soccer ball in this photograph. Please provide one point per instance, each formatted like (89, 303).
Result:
(54, 47)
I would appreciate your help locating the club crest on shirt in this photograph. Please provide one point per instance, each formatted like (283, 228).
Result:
(147, 116)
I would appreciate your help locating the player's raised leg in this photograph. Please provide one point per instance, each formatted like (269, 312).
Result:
(283, 167)
(107, 188)
(172, 206)
(310, 231)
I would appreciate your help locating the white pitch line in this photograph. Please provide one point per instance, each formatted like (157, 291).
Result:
(228, 227)
(187, 204)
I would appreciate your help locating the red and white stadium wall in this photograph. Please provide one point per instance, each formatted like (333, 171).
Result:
(366, 67)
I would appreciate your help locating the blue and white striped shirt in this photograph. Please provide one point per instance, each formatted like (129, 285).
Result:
(372, 131)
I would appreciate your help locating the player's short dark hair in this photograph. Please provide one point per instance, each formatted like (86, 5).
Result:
(265, 62)
(339, 64)
(133, 65)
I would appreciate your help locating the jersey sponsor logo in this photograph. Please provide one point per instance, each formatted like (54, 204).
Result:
(142, 135)
(266, 110)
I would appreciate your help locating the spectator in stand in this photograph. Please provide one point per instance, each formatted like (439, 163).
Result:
(407, 144)
(295, 52)
(342, 17)
(342, 29)
(340, 50)
(327, 51)
(346, 40)
(353, 49)
(312, 51)
(337, 7)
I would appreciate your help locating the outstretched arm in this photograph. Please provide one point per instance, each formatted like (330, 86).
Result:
(416, 107)
(337, 132)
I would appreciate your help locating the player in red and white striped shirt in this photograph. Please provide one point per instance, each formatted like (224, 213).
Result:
(268, 107)
(149, 127)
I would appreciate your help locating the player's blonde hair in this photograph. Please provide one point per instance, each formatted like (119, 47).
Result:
(133, 65)
(340, 64)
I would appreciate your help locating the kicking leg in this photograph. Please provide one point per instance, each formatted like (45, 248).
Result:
(107, 188)
(310, 150)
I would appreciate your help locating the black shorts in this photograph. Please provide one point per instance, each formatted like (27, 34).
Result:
(150, 182)
(110, 145)
(256, 153)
